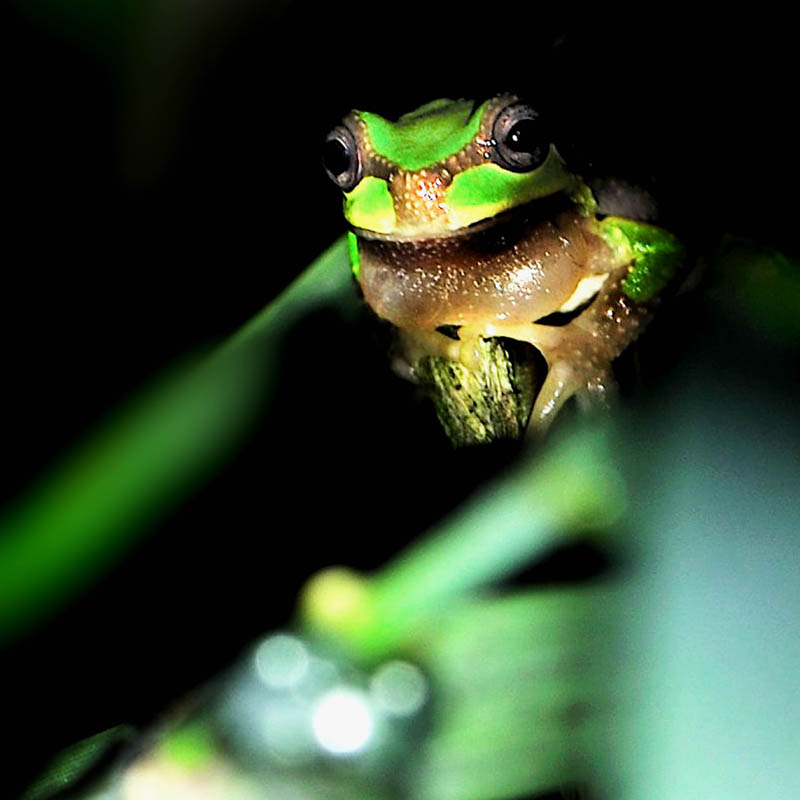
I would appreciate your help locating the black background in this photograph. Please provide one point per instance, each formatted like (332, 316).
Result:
(164, 183)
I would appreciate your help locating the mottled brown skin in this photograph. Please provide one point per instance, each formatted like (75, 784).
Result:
(511, 272)
(498, 282)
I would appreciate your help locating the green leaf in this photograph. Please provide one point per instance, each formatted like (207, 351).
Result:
(83, 515)
(74, 762)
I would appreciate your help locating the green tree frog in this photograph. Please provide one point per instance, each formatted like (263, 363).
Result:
(472, 237)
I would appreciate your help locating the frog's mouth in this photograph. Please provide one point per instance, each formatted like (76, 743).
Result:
(536, 211)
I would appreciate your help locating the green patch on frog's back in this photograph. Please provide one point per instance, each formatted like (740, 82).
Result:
(657, 255)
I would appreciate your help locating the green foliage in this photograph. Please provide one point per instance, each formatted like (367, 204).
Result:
(82, 516)
(621, 684)
(73, 763)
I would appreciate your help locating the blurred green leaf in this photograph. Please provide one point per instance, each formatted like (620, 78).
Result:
(81, 516)
(520, 692)
(762, 286)
(557, 493)
(76, 761)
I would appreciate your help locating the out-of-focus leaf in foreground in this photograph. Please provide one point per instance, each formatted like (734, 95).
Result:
(705, 669)
(521, 694)
(85, 512)
(503, 701)
(420, 680)
(550, 497)
(425, 681)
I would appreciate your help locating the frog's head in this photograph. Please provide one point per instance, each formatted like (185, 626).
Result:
(448, 165)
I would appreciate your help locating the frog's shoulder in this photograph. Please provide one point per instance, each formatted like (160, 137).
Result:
(623, 198)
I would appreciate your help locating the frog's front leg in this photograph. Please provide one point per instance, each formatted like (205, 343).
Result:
(579, 354)
(591, 388)
(580, 364)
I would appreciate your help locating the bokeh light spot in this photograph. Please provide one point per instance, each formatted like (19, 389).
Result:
(342, 721)
(281, 661)
(399, 688)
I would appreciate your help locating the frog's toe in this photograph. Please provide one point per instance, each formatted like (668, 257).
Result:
(559, 385)
(593, 389)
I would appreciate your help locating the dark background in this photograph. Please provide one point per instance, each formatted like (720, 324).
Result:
(163, 173)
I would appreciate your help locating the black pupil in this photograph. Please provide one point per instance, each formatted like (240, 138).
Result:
(522, 138)
(336, 157)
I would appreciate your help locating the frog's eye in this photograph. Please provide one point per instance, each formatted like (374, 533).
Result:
(521, 142)
(341, 158)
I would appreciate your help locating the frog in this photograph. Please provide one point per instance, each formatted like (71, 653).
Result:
(510, 281)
